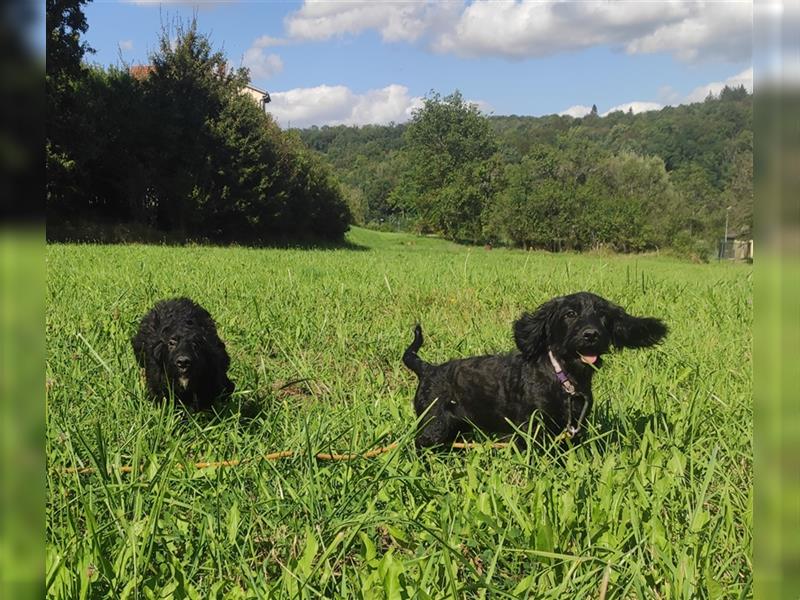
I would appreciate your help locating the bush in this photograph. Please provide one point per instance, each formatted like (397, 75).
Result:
(185, 152)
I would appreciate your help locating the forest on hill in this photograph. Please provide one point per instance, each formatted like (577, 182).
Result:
(624, 181)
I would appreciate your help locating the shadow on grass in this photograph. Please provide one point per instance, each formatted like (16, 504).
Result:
(132, 233)
(615, 431)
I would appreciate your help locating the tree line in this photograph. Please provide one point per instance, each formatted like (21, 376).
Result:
(660, 179)
(177, 148)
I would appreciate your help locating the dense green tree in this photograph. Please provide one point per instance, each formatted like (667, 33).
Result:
(183, 150)
(531, 210)
(64, 75)
(65, 23)
(447, 144)
(626, 181)
(188, 88)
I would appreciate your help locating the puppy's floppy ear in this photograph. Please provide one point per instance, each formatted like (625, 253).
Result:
(143, 340)
(635, 332)
(531, 329)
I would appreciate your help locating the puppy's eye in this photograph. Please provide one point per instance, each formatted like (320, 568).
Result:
(172, 342)
(570, 314)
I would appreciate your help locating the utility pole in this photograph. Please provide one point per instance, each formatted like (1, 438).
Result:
(725, 239)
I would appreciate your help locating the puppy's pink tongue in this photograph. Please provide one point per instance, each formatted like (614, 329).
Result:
(589, 360)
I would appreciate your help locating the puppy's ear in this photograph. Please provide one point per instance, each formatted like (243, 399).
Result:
(142, 341)
(531, 329)
(635, 332)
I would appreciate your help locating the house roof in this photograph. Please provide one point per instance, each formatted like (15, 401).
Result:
(255, 89)
(140, 72)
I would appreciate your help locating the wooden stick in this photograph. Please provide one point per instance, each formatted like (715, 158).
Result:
(288, 454)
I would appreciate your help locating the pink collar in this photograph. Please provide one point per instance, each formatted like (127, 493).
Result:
(568, 386)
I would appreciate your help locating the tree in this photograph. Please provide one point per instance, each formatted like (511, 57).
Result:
(64, 74)
(65, 23)
(184, 151)
(701, 162)
(533, 208)
(189, 85)
(446, 145)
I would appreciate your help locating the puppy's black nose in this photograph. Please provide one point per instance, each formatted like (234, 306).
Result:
(590, 334)
(183, 362)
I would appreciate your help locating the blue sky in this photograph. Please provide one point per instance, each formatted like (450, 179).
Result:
(359, 62)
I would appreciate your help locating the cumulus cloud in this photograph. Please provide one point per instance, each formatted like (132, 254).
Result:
(199, 4)
(261, 64)
(338, 105)
(636, 107)
(671, 97)
(266, 41)
(690, 30)
(396, 21)
(577, 111)
(126, 45)
(714, 31)
(700, 93)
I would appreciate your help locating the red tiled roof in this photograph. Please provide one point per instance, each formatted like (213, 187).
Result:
(140, 71)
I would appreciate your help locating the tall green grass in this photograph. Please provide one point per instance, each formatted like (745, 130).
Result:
(657, 504)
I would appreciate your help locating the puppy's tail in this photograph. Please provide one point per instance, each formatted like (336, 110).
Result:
(410, 357)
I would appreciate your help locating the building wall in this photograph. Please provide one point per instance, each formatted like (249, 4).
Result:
(253, 93)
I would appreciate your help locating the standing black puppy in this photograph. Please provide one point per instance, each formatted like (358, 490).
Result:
(560, 348)
(178, 347)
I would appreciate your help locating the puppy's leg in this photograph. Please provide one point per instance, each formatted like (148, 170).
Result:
(437, 428)
(227, 387)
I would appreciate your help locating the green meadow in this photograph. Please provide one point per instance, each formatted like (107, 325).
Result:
(656, 504)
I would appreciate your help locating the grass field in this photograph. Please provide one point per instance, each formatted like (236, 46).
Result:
(658, 504)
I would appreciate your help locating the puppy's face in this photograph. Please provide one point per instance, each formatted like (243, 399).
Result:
(580, 328)
(583, 327)
(180, 351)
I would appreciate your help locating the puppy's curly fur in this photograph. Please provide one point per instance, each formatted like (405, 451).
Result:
(182, 355)
(501, 392)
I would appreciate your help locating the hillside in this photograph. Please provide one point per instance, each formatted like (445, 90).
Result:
(706, 150)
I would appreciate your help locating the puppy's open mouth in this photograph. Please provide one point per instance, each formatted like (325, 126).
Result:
(183, 381)
(589, 359)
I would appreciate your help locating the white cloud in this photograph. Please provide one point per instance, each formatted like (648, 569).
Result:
(126, 45)
(713, 31)
(700, 93)
(261, 64)
(338, 105)
(690, 30)
(265, 41)
(670, 97)
(636, 107)
(396, 21)
(577, 111)
(197, 3)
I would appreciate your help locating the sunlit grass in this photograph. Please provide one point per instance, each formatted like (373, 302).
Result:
(658, 502)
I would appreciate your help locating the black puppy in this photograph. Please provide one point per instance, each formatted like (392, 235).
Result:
(560, 347)
(178, 347)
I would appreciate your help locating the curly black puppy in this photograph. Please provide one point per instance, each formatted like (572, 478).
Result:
(560, 348)
(178, 347)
